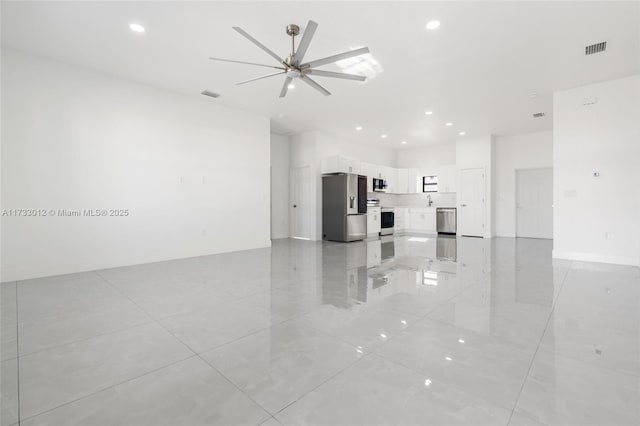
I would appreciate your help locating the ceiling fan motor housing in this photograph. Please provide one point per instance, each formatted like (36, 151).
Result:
(293, 30)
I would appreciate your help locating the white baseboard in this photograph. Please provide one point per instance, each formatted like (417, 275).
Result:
(594, 257)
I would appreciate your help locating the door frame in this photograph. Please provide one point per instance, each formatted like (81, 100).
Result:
(515, 200)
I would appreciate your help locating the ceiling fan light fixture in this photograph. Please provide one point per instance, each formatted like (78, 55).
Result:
(293, 73)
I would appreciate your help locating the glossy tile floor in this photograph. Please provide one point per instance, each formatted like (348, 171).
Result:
(404, 331)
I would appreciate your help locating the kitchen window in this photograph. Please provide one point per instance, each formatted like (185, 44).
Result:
(430, 184)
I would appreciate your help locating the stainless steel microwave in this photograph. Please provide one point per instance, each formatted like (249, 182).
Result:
(379, 185)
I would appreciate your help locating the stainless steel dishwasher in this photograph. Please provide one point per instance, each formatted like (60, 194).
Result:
(446, 221)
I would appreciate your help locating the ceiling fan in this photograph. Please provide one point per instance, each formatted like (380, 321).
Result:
(294, 67)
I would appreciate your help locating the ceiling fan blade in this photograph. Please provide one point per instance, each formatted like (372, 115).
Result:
(285, 87)
(260, 45)
(315, 85)
(335, 58)
(247, 63)
(260, 78)
(336, 75)
(306, 40)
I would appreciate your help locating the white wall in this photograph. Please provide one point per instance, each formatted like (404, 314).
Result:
(603, 138)
(479, 153)
(280, 165)
(521, 151)
(194, 176)
(428, 158)
(330, 145)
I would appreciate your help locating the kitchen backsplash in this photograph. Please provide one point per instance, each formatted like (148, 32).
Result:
(414, 200)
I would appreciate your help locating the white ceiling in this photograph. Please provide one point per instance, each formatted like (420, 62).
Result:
(477, 70)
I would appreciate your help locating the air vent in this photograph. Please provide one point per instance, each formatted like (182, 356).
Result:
(595, 48)
(538, 115)
(209, 93)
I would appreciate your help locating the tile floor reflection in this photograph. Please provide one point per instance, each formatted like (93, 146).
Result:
(405, 330)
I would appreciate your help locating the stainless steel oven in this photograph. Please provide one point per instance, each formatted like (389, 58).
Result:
(387, 221)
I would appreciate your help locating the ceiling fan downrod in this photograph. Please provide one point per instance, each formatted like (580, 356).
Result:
(293, 30)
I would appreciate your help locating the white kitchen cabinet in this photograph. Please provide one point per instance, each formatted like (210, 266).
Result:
(414, 183)
(400, 219)
(377, 171)
(447, 179)
(422, 220)
(406, 181)
(373, 220)
(391, 176)
(402, 186)
(339, 164)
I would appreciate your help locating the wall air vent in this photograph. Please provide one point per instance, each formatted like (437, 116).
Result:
(538, 115)
(595, 48)
(210, 93)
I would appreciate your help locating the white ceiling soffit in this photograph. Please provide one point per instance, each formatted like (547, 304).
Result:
(486, 69)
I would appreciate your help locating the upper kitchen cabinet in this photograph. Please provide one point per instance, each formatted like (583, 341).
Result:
(447, 179)
(377, 171)
(407, 181)
(366, 169)
(390, 174)
(339, 164)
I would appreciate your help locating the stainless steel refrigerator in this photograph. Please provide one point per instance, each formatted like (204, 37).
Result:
(344, 207)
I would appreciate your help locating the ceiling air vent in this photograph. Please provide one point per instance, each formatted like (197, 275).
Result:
(538, 115)
(209, 93)
(595, 48)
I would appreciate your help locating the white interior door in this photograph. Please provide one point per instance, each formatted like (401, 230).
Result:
(472, 195)
(534, 203)
(301, 202)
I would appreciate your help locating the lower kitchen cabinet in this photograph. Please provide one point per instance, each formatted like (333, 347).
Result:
(373, 220)
(422, 220)
(400, 219)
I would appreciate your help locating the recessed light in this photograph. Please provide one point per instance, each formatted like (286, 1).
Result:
(291, 86)
(384, 336)
(136, 28)
(462, 133)
(383, 136)
(428, 112)
(403, 142)
(432, 25)
(460, 340)
(448, 358)
(448, 124)
(358, 128)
